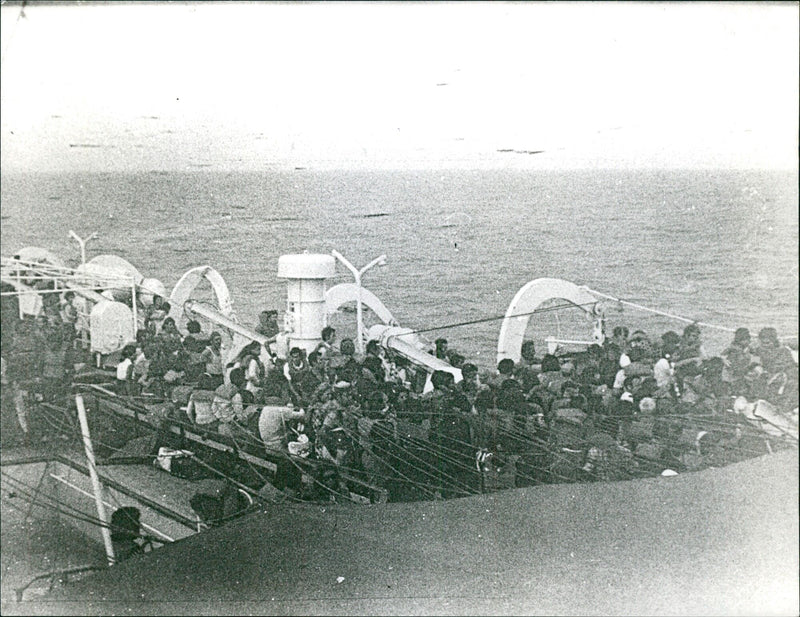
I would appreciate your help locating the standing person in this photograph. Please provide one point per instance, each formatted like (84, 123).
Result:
(470, 385)
(527, 370)
(156, 313)
(193, 346)
(212, 357)
(294, 370)
(737, 359)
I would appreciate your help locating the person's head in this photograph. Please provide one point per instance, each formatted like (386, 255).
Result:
(505, 366)
(550, 363)
(68, 296)
(528, 351)
(313, 358)
(670, 341)
(129, 351)
(237, 377)
(168, 325)
(768, 337)
(469, 372)
(373, 349)
(158, 301)
(166, 307)
(741, 337)
(691, 332)
(455, 359)
(296, 355)
(193, 327)
(510, 384)
(253, 348)
(621, 333)
(328, 334)
(268, 317)
(347, 347)
(441, 347)
(215, 340)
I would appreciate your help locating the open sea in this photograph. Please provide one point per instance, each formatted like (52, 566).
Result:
(716, 246)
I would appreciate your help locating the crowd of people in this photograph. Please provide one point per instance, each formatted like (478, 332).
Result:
(632, 406)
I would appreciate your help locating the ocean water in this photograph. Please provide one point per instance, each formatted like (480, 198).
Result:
(716, 246)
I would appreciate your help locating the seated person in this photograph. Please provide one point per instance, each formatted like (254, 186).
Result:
(126, 383)
(227, 403)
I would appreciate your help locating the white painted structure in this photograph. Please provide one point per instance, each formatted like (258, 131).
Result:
(306, 314)
(529, 298)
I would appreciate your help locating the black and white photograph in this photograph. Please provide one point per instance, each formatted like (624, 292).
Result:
(399, 308)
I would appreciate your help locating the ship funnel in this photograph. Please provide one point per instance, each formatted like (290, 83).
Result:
(305, 317)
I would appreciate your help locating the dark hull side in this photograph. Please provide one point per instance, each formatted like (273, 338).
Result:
(720, 541)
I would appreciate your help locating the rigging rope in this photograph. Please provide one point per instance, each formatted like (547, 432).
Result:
(537, 311)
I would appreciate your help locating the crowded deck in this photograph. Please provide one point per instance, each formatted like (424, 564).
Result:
(326, 419)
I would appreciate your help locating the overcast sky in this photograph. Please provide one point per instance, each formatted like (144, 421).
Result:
(271, 86)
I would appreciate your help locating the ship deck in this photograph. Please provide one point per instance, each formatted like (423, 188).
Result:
(141, 483)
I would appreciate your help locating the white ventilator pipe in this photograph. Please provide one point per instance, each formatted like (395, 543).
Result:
(306, 275)
(96, 485)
